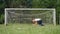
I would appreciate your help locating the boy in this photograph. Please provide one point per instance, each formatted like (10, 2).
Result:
(37, 21)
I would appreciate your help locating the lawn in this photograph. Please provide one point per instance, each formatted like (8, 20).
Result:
(29, 29)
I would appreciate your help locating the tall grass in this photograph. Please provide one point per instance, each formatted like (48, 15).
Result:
(29, 29)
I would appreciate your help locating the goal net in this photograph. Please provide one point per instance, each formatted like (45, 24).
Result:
(25, 15)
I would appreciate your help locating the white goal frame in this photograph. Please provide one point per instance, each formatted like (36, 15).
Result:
(54, 12)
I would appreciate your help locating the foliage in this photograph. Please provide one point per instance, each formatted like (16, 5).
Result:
(1, 19)
(44, 3)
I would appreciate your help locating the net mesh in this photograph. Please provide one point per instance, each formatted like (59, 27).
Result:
(25, 16)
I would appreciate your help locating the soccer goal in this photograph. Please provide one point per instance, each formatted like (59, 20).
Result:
(25, 15)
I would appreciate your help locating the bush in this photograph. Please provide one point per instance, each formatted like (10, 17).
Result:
(2, 19)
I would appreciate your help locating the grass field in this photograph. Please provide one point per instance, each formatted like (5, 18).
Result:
(29, 29)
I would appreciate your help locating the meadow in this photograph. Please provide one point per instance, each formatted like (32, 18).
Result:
(29, 29)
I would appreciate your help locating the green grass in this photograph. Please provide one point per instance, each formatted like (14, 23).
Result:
(29, 29)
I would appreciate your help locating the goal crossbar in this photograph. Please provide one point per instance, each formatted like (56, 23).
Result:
(29, 8)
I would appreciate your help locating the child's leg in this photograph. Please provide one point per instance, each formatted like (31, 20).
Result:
(40, 22)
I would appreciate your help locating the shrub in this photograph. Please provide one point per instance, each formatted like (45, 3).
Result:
(2, 19)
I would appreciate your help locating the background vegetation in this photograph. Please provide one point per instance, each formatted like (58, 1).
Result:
(29, 4)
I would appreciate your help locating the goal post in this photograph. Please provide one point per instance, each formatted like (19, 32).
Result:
(44, 11)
